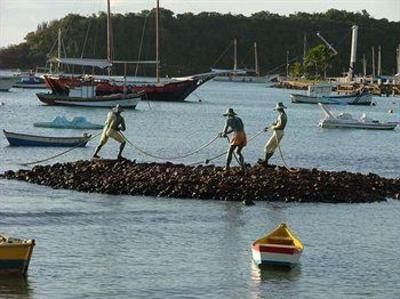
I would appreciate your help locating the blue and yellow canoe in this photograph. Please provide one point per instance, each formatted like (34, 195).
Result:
(15, 255)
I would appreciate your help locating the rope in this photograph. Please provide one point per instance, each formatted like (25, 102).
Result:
(283, 159)
(224, 153)
(59, 154)
(170, 158)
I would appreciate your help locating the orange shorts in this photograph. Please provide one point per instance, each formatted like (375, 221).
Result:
(238, 138)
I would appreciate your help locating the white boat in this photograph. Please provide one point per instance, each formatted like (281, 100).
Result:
(346, 120)
(6, 82)
(322, 93)
(60, 122)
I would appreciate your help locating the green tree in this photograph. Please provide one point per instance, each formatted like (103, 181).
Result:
(296, 70)
(317, 60)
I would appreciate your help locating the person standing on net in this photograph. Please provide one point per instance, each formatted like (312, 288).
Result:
(113, 125)
(278, 128)
(238, 140)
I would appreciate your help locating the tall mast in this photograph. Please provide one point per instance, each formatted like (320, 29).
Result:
(373, 62)
(364, 66)
(398, 60)
(287, 64)
(256, 60)
(379, 61)
(235, 54)
(353, 55)
(304, 46)
(157, 44)
(109, 36)
(59, 48)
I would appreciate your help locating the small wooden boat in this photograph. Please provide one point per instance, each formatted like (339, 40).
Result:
(278, 248)
(15, 255)
(17, 139)
(323, 94)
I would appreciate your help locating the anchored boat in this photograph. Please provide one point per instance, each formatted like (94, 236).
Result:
(278, 248)
(15, 255)
(323, 94)
(60, 122)
(346, 120)
(17, 139)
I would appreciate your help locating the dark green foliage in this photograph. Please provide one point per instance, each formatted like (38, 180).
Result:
(192, 43)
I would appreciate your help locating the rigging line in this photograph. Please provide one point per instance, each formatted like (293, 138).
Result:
(170, 158)
(141, 44)
(281, 65)
(86, 38)
(223, 53)
(245, 58)
(62, 153)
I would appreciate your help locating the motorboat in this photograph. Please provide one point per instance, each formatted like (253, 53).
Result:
(279, 247)
(15, 255)
(346, 120)
(61, 122)
(18, 139)
(322, 93)
(30, 81)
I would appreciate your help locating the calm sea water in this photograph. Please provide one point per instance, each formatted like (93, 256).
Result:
(101, 246)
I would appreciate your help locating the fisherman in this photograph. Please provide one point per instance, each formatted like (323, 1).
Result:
(278, 127)
(113, 125)
(238, 141)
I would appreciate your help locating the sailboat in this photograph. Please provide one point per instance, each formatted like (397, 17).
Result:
(241, 75)
(174, 89)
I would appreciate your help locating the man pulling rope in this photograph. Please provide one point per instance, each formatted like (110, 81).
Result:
(113, 125)
(278, 128)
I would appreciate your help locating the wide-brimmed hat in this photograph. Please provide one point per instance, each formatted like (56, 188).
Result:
(118, 108)
(280, 106)
(229, 112)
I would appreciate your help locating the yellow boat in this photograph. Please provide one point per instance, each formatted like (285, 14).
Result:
(15, 255)
(279, 247)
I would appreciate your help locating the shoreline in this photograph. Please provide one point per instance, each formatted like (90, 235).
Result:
(125, 177)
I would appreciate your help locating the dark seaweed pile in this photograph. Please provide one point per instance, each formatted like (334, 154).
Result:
(211, 182)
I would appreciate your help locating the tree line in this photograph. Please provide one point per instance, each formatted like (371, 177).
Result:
(193, 43)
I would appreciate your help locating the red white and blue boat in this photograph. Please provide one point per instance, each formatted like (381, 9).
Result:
(17, 139)
(278, 248)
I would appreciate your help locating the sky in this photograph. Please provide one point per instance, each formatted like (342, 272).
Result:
(19, 17)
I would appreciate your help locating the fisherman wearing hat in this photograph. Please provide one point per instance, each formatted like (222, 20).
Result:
(113, 125)
(238, 141)
(278, 127)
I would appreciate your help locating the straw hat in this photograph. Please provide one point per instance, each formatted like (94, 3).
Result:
(280, 106)
(229, 112)
(118, 108)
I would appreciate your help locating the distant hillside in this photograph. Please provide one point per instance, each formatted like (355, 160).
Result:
(193, 43)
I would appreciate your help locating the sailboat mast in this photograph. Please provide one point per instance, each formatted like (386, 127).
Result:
(373, 62)
(58, 49)
(157, 44)
(379, 61)
(256, 60)
(109, 37)
(235, 54)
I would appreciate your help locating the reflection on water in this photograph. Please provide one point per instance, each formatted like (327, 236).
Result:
(262, 278)
(15, 287)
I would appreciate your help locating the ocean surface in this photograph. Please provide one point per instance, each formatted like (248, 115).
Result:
(102, 246)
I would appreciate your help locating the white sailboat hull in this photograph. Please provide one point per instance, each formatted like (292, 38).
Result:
(363, 99)
(357, 125)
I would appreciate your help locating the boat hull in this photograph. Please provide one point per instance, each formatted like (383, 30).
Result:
(363, 99)
(365, 126)
(15, 257)
(241, 79)
(276, 255)
(128, 101)
(16, 139)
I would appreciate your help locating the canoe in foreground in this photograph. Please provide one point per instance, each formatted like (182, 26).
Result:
(278, 248)
(17, 139)
(15, 255)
